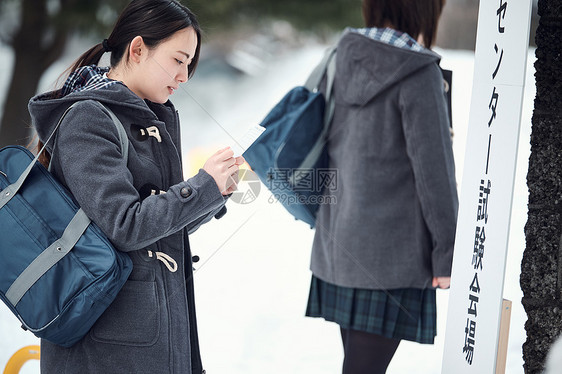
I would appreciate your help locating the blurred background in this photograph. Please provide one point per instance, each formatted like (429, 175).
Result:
(253, 278)
(240, 38)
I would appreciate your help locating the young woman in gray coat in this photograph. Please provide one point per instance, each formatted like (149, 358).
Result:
(144, 205)
(381, 250)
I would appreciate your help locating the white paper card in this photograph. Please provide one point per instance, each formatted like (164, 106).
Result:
(242, 144)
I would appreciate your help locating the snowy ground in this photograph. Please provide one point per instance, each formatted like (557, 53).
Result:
(253, 278)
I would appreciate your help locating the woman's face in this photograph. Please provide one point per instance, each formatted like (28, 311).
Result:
(160, 71)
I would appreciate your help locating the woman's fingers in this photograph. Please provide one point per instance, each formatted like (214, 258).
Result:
(225, 153)
(240, 160)
(224, 167)
(441, 282)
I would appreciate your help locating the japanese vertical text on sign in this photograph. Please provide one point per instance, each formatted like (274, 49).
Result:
(475, 298)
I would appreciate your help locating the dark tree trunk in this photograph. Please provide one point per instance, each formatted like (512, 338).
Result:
(16, 124)
(34, 53)
(541, 268)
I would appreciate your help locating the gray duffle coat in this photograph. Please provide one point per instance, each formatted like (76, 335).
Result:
(141, 205)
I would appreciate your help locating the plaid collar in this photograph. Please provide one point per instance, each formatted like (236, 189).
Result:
(87, 78)
(390, 36)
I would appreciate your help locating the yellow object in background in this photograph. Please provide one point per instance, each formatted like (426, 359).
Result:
(15, 363)
(196, 158)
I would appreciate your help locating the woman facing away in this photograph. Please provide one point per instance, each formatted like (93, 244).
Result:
(381, 250)
(143, 205)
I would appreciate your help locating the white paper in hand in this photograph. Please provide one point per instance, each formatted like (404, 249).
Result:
(247, 140)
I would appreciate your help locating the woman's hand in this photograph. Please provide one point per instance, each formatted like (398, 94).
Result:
(234, 178)
(223, 167)
(441, 282)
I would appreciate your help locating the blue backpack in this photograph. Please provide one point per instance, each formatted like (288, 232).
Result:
(290, 157)
(58, 271)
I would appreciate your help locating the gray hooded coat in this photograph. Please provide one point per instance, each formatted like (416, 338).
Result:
(394, 220)
(143, 204)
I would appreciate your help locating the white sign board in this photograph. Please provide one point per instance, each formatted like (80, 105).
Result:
(473, 317)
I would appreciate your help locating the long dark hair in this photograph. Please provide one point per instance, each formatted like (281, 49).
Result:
(413, 17)
(155, 21)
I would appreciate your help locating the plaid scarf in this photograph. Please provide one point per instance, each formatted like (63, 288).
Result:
(390, 36)
(87, 78)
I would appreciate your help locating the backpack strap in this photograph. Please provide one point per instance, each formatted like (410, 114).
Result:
(74, 230)
(330, 75)
(315, 78)
(123, 139)
(326, 67)
(9, 192)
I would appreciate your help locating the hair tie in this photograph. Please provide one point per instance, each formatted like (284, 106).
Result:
(105, 46)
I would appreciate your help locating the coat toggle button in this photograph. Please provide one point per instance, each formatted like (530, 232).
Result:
(185, 192)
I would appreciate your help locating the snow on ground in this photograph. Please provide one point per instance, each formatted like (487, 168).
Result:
(253, 278)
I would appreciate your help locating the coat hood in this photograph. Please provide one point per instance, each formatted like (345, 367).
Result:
(46, 109)
(372, 66)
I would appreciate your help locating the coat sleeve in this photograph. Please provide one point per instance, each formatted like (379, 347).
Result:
(95, 172)
(428, 144)
(218, 214)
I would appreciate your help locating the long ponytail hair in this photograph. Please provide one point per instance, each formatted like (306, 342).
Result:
(154, 20)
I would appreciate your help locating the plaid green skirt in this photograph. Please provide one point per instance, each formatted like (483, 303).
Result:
(406, 313)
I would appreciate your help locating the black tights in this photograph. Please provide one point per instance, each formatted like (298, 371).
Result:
(366, 353)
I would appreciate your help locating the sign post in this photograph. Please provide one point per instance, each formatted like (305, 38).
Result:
(475, 300)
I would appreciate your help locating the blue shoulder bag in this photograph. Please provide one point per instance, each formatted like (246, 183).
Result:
(290, 157)
(58, 271)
